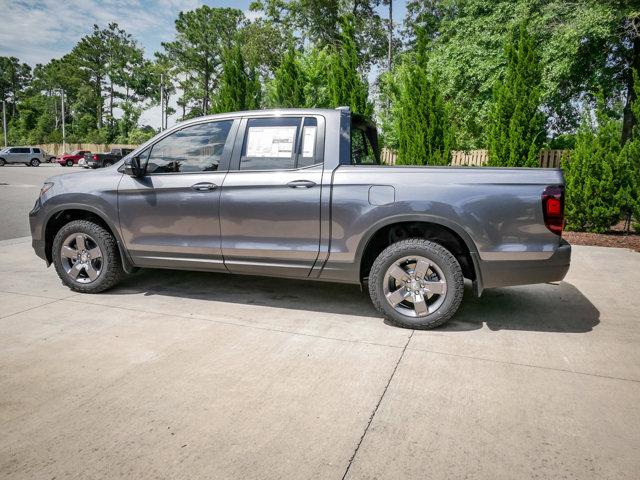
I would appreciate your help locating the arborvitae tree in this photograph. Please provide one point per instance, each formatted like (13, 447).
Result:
(516, 124)
(421, 116)
(590, 176)
(289, 82)
(346, 86)
(628, 169)
(239, 86)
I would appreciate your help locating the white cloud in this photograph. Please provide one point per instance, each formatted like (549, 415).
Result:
(36, 31)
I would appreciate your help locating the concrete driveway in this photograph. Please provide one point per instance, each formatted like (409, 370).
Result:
(191, 375)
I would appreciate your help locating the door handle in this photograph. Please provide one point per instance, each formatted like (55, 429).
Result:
(204, 187)
(301, 184)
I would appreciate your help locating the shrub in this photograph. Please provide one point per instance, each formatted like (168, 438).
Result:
(591, 177)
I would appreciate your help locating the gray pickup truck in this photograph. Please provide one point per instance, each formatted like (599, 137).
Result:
(301, 194)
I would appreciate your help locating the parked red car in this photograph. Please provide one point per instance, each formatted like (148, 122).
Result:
(71, 159)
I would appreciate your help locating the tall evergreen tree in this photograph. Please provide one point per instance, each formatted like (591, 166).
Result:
(289, 82)
(346, 85)
(422, 122)
(516, 124)
(239, 86)
(201, 37)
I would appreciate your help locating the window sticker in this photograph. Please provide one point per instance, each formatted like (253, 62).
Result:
(274, 142)
(308, 141)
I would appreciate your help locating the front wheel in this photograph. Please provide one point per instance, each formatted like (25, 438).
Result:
(416, 283)
(69, 163)
(86, 257)
(2, 162)
(35, 162)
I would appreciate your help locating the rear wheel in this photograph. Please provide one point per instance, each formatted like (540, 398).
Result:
(108, 164)
(416, 283)
(2, 162)
(69, 163)
(35, 162)
(86, 257)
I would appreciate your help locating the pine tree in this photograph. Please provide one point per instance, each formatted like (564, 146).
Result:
(516, 124)
(289, 83)
(591, 176)
(239, 86)
(421, 117)
(346, 86)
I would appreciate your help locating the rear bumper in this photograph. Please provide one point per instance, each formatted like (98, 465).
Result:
(525, 272)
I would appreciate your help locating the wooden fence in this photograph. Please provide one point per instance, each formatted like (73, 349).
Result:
(56, 148)
(476, 158)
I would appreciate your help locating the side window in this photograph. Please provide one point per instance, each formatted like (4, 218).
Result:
(270, 143)
(36, 150)
(197, 148)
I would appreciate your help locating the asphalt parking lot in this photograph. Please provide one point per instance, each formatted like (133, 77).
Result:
(19, 188)
(195, 375)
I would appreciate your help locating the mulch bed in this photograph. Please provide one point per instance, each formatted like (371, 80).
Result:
(615, 238)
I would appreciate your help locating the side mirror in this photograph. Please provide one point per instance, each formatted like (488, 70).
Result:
(133, 168)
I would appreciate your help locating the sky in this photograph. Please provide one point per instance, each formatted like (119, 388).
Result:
(35, 31)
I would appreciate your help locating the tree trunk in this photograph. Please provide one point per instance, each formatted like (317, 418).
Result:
(205, 100)
(110, 102)
(390, 34)
(628, 121)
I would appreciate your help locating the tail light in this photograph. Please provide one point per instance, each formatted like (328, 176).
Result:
(553, 208)
(95, 157)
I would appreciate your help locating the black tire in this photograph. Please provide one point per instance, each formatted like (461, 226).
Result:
(108, 164)
(34, 162)
(435, 253)
(69, 163)
(2, 162)
(111, 271)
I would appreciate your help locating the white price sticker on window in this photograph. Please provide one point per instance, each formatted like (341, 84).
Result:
(273, 142)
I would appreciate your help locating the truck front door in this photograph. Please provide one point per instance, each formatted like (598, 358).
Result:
(170, 217)
(270, 202)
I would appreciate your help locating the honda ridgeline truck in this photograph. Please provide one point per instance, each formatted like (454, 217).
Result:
(301, 194)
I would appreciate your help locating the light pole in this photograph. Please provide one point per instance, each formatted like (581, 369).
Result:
(64, 138)
(161, 103)
(4, 121)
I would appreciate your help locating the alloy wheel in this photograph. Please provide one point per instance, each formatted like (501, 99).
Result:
(414, 286)
(81, 258)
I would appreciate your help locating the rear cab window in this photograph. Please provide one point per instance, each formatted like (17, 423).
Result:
(280, 143)
(364, 142)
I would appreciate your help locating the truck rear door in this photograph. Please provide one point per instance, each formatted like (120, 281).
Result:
(270, 202)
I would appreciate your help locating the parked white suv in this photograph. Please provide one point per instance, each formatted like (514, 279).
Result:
(30, 156)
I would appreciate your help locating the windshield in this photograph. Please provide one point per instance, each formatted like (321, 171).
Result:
(76, 152)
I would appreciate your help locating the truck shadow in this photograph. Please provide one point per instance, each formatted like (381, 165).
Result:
(545, 308)
(541, 308)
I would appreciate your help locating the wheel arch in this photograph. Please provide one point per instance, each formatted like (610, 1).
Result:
(442, 231)
(68, 213)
